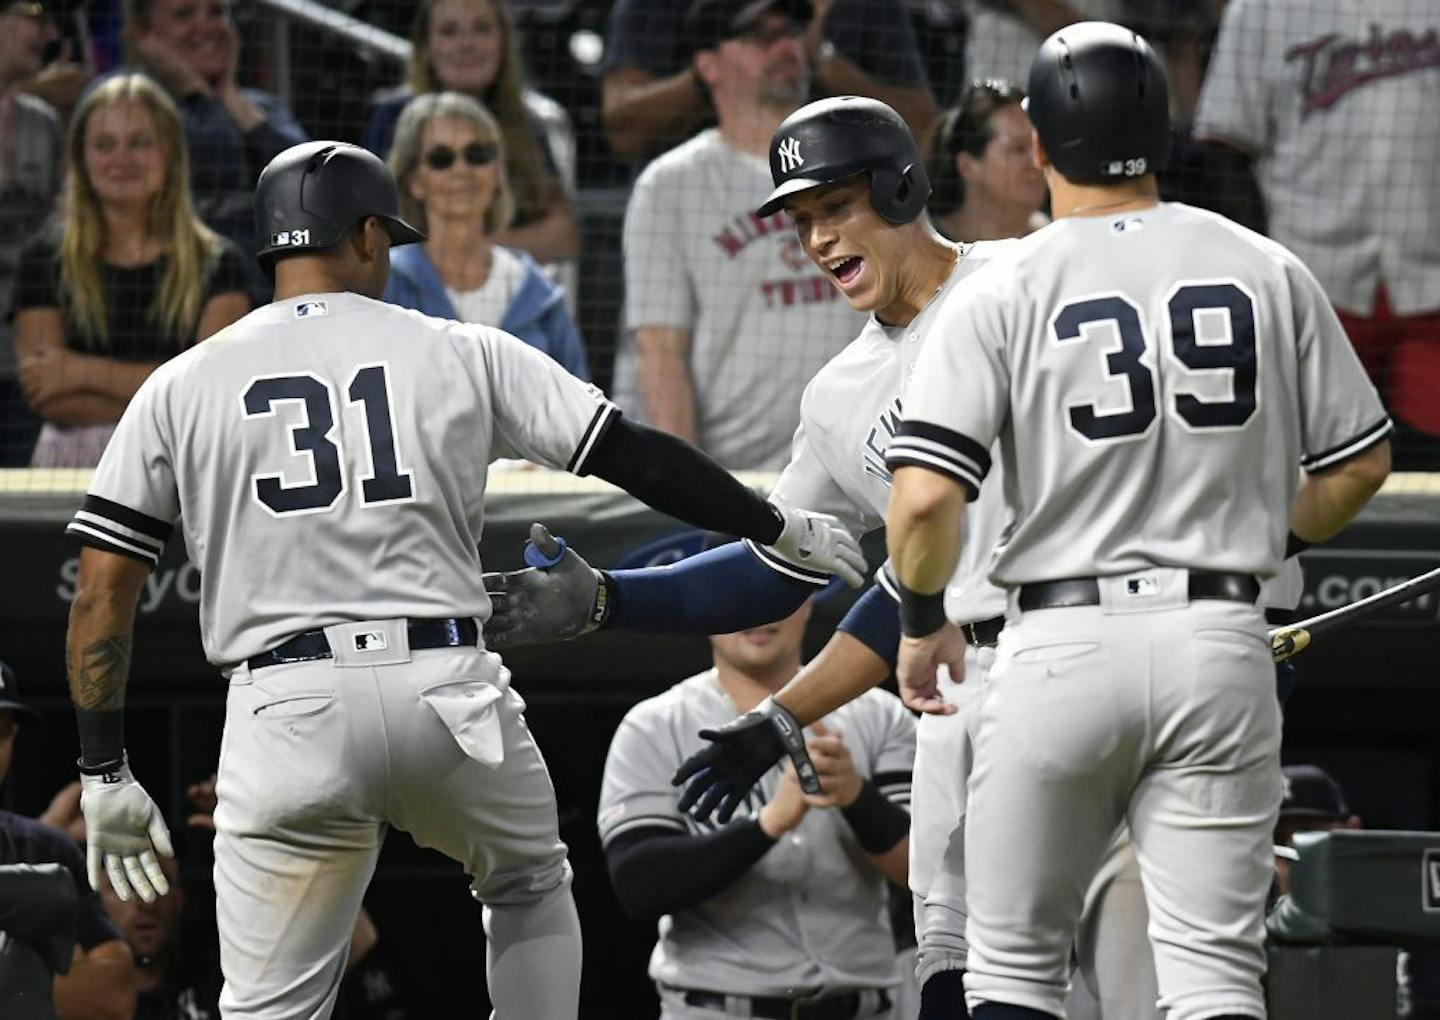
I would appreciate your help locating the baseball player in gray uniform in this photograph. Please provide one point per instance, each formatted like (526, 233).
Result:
(1153, 373)
(849, 173)
(782, 911)
(329, 455)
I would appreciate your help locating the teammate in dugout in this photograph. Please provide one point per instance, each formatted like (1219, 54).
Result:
(330, 454)
(791, 896)
(1152, 374)
(850, 175)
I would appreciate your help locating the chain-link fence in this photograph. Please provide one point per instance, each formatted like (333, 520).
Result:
(605, 212)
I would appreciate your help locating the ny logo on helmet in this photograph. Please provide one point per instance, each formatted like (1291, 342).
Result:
(789, 153)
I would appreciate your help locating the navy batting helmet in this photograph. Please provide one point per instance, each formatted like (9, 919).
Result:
(312, 193)
(834, 139)
(1100, 103)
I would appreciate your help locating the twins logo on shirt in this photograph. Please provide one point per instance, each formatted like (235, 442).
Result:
(1334, 66)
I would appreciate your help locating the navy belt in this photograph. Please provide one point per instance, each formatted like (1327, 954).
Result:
(840, 1006)
(983, 633)
(1085, 591)
(313, 645)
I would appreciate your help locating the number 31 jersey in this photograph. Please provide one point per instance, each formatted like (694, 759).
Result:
(1155, 380)
(328, 457)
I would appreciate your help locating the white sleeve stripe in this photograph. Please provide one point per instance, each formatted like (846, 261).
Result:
(115, 528)
(774, 562)
(93, 536)
(919, 444)
(886, 580)
(1361, 443)
(895, 458)
(592, 435)
(643, 822)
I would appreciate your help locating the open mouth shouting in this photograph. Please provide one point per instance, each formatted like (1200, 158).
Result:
(846, 269)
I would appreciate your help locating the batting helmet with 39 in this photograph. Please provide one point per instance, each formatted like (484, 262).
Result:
(1100, 103)
(312, 193)
(834, 139)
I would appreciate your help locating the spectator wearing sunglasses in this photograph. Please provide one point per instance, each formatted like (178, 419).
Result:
(985, 185)
(449, 159)
(470, 46)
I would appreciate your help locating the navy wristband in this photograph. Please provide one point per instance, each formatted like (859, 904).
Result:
(102, 737)
(921, 615)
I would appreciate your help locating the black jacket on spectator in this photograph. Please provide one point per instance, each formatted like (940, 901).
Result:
(129, 291)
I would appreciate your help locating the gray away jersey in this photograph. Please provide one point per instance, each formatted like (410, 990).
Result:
(1154, 378)
(811, 913)
(849, 413)
(328, 455)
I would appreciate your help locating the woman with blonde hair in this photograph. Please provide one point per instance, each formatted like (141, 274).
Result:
(449, 160)
(130, 278)
(469, 46)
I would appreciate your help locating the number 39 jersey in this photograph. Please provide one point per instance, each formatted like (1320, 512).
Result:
(1154, 379)
(328, 456)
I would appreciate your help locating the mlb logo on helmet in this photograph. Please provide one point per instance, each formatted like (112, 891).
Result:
(290, 237)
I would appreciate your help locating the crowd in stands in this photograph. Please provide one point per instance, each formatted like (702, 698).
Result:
(131, 134)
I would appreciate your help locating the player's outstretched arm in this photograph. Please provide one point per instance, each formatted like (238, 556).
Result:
(124, 827)
(559, 596)
(857, 657)
(675, 478)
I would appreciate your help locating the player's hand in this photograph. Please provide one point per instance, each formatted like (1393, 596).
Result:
(787, 808)
(64, 812)
(920, 658)
(124, 832)
(819, 541)
(835, 768)
(202, 795)
(740, 752)
(558, 597)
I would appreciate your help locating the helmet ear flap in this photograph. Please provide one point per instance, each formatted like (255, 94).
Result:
(899, 197)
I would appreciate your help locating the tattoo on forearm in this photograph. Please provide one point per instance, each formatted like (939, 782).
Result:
(97, 680)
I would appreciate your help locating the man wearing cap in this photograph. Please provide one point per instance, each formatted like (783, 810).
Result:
(1313, 802)
(51, 921)
(29, 182)
(726, 318)
(652, 94)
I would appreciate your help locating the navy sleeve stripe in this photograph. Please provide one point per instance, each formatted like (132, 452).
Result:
(948, 439)
(96, 538)
(897, 457)
(816, 577)
(125, 517)
(1351, 448)
(594, 432)
(129, 536)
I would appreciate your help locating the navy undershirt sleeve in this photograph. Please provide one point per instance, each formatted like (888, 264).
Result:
(655, 871)
(874, 621)
(717, 592)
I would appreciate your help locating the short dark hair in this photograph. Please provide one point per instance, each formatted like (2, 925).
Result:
(965, 127)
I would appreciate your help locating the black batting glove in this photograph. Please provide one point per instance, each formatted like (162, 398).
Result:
(740, 752)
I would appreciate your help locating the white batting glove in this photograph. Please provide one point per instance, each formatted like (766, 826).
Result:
(820, 542)
(124, 830)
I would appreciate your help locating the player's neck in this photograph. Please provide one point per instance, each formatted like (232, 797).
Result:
(1070, 199)
(924, 272)
(296, 277)
(747, 688)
